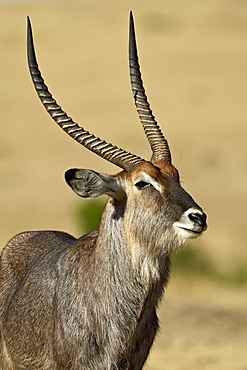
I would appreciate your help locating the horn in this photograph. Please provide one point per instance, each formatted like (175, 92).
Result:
(111, 153)
(157, 141)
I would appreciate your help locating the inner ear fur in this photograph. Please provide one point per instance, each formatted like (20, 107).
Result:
(91, 184)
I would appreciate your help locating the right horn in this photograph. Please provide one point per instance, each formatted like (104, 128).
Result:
(157, 141)
(111, 153)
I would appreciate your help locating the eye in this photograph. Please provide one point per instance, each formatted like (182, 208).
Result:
(142, 184)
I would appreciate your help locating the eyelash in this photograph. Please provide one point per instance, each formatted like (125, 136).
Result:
(142, 184)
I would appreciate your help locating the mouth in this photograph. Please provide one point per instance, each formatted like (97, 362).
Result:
(189, 231)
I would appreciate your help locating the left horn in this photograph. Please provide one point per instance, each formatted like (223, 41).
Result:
(157, 141)
(111, 153)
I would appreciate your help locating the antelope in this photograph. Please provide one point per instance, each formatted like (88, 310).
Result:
(90, 303)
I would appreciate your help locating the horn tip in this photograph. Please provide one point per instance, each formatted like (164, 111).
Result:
(28, 22)
(131, 20)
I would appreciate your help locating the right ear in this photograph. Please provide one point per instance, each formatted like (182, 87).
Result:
(91, 184)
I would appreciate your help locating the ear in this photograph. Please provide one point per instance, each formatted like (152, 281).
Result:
(90, 184)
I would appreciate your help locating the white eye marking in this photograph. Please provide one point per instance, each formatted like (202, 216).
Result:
(141, 184)
(149, 180)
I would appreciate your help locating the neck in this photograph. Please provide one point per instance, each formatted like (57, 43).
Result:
(131, 280)
(125, 260)
(121, 295)
(120, 248)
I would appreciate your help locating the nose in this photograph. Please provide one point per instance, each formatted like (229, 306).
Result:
(199, 219)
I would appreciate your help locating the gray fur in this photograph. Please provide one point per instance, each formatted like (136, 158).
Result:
(90, 303)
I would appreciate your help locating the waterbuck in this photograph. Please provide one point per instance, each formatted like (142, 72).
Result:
(90, 303)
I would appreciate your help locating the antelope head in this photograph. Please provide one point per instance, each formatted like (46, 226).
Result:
(150, 190)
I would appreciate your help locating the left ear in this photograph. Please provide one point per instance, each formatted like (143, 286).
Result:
(91, 184)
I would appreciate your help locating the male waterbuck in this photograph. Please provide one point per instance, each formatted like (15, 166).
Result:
(90, 303)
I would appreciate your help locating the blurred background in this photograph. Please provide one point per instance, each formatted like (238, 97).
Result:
(194, 63)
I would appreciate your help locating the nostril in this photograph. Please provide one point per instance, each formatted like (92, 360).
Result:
(198, 218)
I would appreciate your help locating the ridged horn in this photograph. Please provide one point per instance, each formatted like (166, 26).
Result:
(157, 141)
(111, 153)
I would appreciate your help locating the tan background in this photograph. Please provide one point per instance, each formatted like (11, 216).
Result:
(194, 61)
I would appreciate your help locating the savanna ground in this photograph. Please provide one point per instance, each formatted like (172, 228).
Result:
(194, 62)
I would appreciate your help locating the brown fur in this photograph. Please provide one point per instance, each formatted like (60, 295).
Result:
(90, 303)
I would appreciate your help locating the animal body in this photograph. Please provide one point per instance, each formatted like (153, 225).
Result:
(90, 303)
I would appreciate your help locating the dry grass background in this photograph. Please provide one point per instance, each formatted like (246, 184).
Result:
(194, 61)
